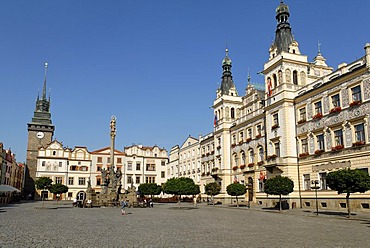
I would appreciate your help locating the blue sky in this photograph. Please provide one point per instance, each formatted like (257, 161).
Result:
(155, 65)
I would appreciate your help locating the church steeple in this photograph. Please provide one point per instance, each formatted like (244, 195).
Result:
(283, 33)
(42, 111)
(227, 85)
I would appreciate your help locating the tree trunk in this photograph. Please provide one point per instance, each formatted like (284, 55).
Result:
(279, 202)
(213, 200)
(348, 207)
(237, 203)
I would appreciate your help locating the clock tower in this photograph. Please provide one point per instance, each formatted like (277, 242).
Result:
(40, 133)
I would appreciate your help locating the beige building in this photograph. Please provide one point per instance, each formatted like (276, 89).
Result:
(307, 121)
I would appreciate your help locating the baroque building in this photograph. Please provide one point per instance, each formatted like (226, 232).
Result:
(308, 119)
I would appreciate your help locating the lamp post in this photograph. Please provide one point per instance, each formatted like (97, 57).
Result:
(248, 190)
(315, 185)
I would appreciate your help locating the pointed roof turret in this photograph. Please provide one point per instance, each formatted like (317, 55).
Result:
(227, 85)
(283, 33)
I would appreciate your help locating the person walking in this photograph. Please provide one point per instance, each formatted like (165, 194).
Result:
(123, 207)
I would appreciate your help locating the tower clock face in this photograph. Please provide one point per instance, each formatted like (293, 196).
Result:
(40, 135)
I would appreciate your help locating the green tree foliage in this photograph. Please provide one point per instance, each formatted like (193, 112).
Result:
(150, 189)
(58, 188)
(348, 181)
(236, 189)
(180, 186)
(212, 189)
(43, 183)
(279, 186)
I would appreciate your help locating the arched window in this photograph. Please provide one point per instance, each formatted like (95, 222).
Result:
(295, 77)
(275, 80)
(251, 156)
(260, 154)
(303, 78)
(287, 76)
(243, 157)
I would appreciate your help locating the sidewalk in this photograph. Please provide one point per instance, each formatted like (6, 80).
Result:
(363, 216)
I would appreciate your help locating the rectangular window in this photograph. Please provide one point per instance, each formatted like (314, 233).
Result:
(277, 149)
(81, 181)
(234, 139)
(58, 180)
(138, 166)
(275, 121)
(338, 137)
(304, 146)
(129, 166)
(335, 100)
(70, 180)
(108, 160)
(150, 167)
(98, 168)
(150, 179)
(119, 160)
(320, 142)
(302, 114)
(359, 133)
(98, 181)
(129, 179)
(306, 182)
(356, 94)
(241, 136)
(259, 130)
(163, 162)
(43, 163)
(318, 107)
(249, 132)
(137, 180)
(322, 177)
(100, 159)
(163, 174)
(60, 164)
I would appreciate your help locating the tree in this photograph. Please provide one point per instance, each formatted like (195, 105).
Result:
(150, 189)
(43, 183)
(279, 186)
(180, 186)
(236, 189)
(58, 188)
(212, 189)
(348, 181)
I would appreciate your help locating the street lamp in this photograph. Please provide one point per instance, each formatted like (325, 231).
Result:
(315, 185)
(249, 187)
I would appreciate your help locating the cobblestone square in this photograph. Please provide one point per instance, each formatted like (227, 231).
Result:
(60, 225)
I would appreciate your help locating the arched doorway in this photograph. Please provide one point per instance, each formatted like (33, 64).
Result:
(80, 196)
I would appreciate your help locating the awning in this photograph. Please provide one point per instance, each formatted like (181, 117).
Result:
(8, 188)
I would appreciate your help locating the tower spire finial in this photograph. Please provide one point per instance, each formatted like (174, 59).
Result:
(227, 50)
(318, 47)
(249, 77)
(44, 87)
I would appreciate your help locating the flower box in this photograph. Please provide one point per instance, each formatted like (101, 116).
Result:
(304, 154)
(218, 147)
(208, 173)
(240, 142)
(242, 166)
(355, 103)
(233, 145)
(207, 154)
(203, 174)
(235, 167)
(317, 116)
(337, 148)
(335, 110)
(212, 152)
(248, 139)
(258, 136)
(260, 163)
(203, 155)
(301, 121)
(271, 156)
(274, 126)
(214, 169)
(250, 164)
(358, 143)
(318, 152)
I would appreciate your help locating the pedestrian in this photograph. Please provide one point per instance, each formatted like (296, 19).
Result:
(74, 202)
(123, 207)
(150, 203)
